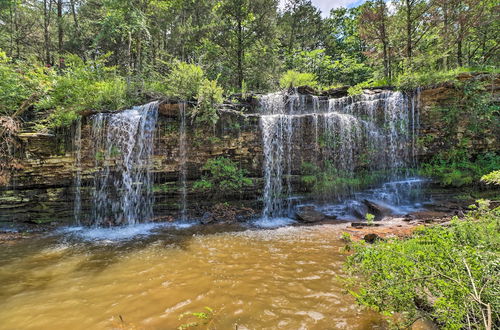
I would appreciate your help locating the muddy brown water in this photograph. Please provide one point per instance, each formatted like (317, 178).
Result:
(286, 278)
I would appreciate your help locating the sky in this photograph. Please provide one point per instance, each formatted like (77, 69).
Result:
(326, 5)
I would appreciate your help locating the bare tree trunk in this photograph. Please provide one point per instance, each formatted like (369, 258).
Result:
(409, 27)
(60, 31)
(47, 8)
(240, 54)
(445, 36)
(12, 32)
(383, 36)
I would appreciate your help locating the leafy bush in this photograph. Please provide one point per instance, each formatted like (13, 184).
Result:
(18, 82)
(223, 176)
(350, 71)
(209, 96)
(447, 274)
(493, 177)
(327, 179)
(83, 86)
(184, 81)
(412, 79)
(358, 88)
(295, 79)
(456, 168)
(329, 71)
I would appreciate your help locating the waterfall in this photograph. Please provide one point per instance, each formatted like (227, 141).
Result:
(78, 175)
(123, 147)
(183, 160)
(376, 132)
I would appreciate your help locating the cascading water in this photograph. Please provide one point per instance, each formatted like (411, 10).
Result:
(375, 131)
(78, 176)
(183, 160)
(123, 154)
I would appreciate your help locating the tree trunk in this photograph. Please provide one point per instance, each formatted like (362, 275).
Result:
(47, 8)
(383, 37)
(459, 45)
(240, 53)
(445, 36)
(408, 30)
(60, 31)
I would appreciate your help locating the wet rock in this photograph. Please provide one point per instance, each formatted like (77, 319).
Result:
(169, 110)
(359, 214)
(207, 218)
(226, 213)
(364, 224)
(310, 215)
(426, 215)
(165, 218)
(336, 92)
(379, 211)
(306, 90)
(371, 238)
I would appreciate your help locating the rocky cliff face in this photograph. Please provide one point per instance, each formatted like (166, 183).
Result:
(43, 189)
(449, 116)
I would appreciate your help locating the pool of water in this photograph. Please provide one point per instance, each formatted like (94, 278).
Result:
(285, 278)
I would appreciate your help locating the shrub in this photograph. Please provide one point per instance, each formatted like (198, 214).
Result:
(492, 177)
(369, 218)
(295, 79)
(184, 81)
(446, 274)
(209, 97)
(19, 81)
(456, 168)
(222, 176)
(358, 88)
(83, 86)
(412, 79)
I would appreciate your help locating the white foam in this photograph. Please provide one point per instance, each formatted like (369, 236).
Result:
(121, 233)
(272, 222)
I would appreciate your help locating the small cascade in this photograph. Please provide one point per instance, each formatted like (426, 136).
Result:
(415, 119)
(123, 154)
(77, 207)
(183, 155)
(375, 132)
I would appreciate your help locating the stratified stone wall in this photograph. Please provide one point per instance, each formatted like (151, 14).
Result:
(42, 191)
(435, 135)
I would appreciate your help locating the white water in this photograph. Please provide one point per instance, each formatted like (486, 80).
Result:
(183, 157)
(77, 207)
(123, 154)
(375, 131)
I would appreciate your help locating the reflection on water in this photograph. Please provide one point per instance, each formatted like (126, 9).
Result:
(283, 278)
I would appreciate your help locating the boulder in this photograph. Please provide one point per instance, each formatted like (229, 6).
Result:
(306, 90)
(310, 215)
(371, 238)
(379, 211)
(336, 92)
(226, 213)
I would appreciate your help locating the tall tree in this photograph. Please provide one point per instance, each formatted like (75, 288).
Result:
(373, 23)
(247, 27)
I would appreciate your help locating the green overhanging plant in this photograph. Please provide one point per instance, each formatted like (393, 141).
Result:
(222, 176)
